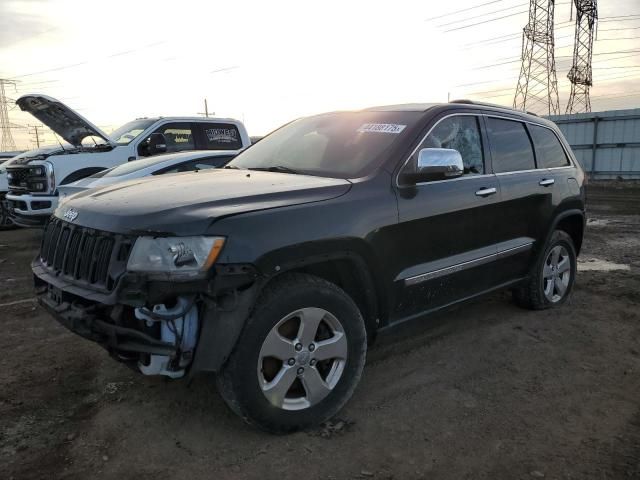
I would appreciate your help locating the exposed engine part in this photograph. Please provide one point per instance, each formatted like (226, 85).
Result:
(176, 327)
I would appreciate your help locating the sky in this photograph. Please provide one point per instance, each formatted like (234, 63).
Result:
(268, 62)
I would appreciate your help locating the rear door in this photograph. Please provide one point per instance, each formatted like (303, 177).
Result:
(552, 157)
(444, 238)
(526, 196)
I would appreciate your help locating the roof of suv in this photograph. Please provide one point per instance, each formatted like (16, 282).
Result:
(423, 107)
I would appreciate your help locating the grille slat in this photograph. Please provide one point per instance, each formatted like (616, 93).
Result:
(46, 241)
(72, 252)
(61, 248)
(87, 257)
(53, 243)
(83, 254)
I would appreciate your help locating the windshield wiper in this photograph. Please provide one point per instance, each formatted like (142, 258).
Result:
(231, 167)
(276, 168)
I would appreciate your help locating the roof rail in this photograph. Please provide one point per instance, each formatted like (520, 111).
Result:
(486, 104)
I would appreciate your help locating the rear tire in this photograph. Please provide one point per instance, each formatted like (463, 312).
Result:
(299, 357)
(552, 277)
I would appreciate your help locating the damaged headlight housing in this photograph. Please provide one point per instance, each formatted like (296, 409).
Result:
(189, 256)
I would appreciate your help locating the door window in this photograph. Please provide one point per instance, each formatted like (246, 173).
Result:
(178, 136)
(549, 151)
(461, 133)
(511, 148)
(220, 136)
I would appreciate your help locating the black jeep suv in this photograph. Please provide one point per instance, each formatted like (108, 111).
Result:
(277, 271)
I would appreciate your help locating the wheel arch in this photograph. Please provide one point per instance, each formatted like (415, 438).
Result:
(350, 266)
(573, 223)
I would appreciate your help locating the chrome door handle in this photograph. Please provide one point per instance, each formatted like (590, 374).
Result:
(485, 192)
(545, 182)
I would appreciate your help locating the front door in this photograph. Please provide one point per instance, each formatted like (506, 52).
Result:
(444, 238)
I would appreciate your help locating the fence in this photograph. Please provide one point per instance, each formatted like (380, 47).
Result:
(607, 144)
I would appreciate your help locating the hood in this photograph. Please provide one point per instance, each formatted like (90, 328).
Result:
(37, 154)
(188, 203)
(67, 123)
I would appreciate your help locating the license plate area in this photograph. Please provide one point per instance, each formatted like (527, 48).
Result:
(54, 294)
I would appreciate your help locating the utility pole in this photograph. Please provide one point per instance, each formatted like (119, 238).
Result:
(206, 110)
(537, 87)
(7, 144)
(580, 74)
(36, 134)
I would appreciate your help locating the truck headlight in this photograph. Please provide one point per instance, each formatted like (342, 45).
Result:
(188, 255)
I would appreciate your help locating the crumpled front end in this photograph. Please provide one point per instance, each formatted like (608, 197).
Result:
(153, 325)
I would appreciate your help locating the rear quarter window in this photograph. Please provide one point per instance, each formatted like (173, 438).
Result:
(549, 151)
(220, 136)
(511, 148)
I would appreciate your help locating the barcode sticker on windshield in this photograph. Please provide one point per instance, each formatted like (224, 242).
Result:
(381, 128)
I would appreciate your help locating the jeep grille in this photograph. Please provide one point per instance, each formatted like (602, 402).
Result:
(84, 255)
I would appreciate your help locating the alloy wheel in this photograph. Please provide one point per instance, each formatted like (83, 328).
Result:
(302, 359)
(556, 274)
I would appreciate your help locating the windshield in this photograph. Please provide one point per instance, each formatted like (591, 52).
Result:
(338, 145)
(129, 131)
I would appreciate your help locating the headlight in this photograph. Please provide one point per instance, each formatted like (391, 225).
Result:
(37, 171)
(188, 255)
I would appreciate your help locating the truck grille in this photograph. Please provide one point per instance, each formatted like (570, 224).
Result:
(20, 180)
(84, 255)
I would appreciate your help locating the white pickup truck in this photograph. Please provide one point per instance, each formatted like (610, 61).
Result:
(34, 176)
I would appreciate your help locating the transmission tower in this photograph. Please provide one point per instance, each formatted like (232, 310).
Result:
(580, 74)
(537, 87)
(7, 143)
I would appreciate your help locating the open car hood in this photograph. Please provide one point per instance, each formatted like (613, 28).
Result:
(67, 123)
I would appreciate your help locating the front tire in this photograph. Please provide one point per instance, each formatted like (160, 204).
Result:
(5, 219)
(299, 357)
(553, 275)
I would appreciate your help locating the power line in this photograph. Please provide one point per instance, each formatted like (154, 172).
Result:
(615, 95)
(462, 10)
(616, 29)
(56, 69)
(79, 64)
(615, 67)
(617, 77)
(610, 19)
(483, 22)
(482, 15)
(620, 38)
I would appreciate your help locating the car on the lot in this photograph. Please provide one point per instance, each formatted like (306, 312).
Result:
(5, 218)
(192, 161)
(276, 271)
(34, 176)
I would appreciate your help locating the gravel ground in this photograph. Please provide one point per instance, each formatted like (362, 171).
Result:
(483, 391)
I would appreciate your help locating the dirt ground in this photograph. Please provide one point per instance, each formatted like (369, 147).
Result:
(486, 391)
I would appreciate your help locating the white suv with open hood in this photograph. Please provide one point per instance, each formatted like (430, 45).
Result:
(34, 176)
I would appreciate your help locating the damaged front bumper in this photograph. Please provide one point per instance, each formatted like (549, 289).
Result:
(158, 328)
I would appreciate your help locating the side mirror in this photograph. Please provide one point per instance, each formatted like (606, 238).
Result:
(436, 164)
(156, 143)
